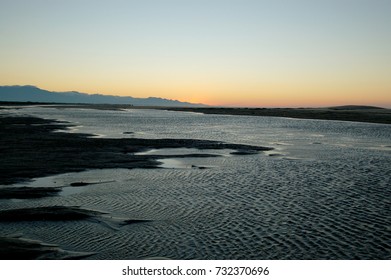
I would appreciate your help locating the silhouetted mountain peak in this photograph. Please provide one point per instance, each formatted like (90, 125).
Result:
(30, 93)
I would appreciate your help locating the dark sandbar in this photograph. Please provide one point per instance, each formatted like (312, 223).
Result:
(16, 248)
(27, 192)
(51, 213)
(342, 113)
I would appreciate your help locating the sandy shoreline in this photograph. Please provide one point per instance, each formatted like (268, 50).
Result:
(135, 201)
(367, 114)
(32, 147)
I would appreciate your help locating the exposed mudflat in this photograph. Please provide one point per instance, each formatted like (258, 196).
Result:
(33, 147)
(323, 192)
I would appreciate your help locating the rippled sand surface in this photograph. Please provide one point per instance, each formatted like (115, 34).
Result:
(321, 194)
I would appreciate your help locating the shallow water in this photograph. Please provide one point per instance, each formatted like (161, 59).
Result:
(324, 192)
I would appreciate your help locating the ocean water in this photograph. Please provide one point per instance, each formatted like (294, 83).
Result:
(324, 192)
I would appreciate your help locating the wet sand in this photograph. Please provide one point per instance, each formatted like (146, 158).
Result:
(33, 147)
(18, 248)
(336, 211)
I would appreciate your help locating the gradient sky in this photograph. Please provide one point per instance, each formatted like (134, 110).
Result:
(219, 52)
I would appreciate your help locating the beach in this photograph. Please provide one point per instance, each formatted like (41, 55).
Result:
(32, 147)
(79, 182)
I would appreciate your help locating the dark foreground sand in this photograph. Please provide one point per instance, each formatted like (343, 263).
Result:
(31, 147)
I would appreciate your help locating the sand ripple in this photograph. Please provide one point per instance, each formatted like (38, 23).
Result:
(332, 203)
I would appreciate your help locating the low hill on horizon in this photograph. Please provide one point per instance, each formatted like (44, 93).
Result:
(356, 107)
(35, 94)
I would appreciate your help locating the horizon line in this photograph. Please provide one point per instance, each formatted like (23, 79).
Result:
(199, 103)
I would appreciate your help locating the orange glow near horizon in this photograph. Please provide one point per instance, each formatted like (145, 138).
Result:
(236, 97)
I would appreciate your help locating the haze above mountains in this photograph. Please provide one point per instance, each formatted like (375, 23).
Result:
(35, 94)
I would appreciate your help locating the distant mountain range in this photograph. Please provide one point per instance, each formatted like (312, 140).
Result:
(35, 94)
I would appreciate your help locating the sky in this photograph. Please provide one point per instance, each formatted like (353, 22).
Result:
(247, 53)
